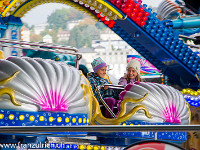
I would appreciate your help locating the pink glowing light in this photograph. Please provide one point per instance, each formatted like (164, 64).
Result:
(171, 114)
(53, 102)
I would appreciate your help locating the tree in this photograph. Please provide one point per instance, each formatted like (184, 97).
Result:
(87, 41)
(79, 38)
(60, 17)
(45, 32)
(100, 26)
(88, 21)
(62, 43)
(53, 32)
(75, 14)
(75, 38)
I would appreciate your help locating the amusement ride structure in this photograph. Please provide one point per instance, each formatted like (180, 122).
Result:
(38, 93)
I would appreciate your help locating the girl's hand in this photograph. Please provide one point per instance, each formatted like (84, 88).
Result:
(106, 87)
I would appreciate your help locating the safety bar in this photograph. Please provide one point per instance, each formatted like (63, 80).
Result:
(47, 45)
(111, 86)
(194, 46)
(102, 100)
(184, 36)
(42, 47)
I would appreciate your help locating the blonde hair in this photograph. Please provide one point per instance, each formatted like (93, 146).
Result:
(138, 78)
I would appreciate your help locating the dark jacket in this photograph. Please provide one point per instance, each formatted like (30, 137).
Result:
(96, 80)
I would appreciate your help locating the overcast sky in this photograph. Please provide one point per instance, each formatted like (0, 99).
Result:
(40, 13)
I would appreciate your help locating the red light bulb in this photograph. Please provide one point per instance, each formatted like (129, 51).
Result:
(135, 10)
(140, 14)
(132, 2)
(123, 6)
(112, 22)
(133, 15)
(118, 3)
(130, 5)
(110, 25)
(103, 19)
(112, 1)
(137, 5)
(142, 23)
(99, 15)
(128, 10)
(146, 14)
(137, 19)
(141, 9)
(144, 18)
(125, 1)
(106, 22)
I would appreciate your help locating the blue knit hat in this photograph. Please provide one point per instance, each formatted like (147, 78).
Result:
(97, 64)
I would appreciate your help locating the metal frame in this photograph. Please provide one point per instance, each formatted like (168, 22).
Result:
(97, 88)
(97, 128)
(37, 46)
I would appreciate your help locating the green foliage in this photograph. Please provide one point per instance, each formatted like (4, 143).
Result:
(45, 32)
(79, 37)
(100, 26)
(92, 31)
(60, 17)
(62, 43)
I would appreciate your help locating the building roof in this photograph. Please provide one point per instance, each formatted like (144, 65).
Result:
(86, 50)
(63, 32)
(24, 28)
(47, 36)
(99, 47)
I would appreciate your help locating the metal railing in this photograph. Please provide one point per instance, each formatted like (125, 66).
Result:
(98, 128)
(41, 47)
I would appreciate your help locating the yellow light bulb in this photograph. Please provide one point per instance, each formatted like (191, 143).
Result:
(51, 119)
(31, 118)
(84, 120)
(184, 90)
(188, 90)
(82, 147)
(11, 116)
(1, 116)
(41, 118)
(80, 120)
(21, 117)
(74, 120)
(59, 119)
(89, 147)
(96, 147)
(102, 147)
(67, 120)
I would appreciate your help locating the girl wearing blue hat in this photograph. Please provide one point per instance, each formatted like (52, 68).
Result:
(96, 79)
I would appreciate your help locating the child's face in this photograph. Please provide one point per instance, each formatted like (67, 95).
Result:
(193, 138)
(102, 72)
(131, 73)
(193, 141)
